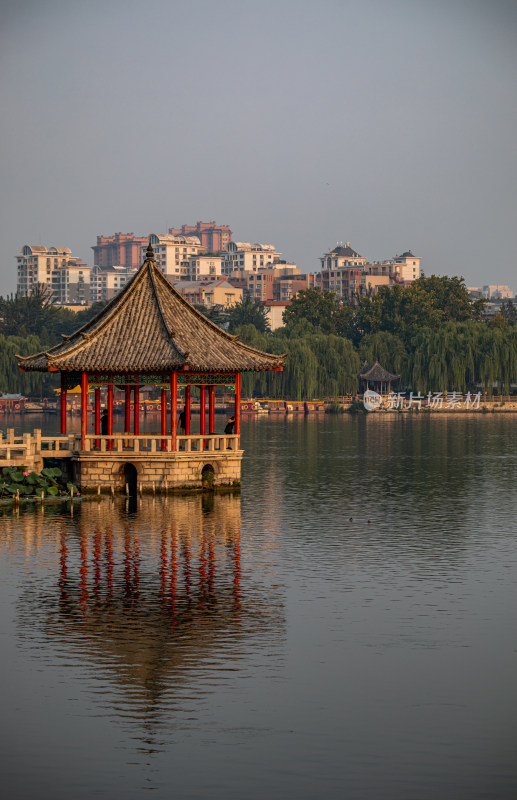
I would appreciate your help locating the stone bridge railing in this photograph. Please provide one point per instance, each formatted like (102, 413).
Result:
(29, 449)
(155, 443)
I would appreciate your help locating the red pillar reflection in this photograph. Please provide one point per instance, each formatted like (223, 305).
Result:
(63, 570)
(186, 568)
(97, 562)
(163, 564)
(237, 572)
(174, 569)
(136, 564)
(109, 565)
(202, 569)
(211, 565)
(84, 571)
(128, 588)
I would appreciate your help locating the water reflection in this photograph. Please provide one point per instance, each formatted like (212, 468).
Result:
(149, 601)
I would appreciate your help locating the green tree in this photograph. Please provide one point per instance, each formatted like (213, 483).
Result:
(247, 312)
(323, 310)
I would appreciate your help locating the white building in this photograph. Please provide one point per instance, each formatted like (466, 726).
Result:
(172, 253)
(341, 257)
(106, 282)
(67, 276)
(203, 267)
(248, 257)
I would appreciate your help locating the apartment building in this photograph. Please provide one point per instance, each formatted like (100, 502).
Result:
(401, 269)
(71, 284)
(214, 238)
(346, 273)
(341, 257)
(341, 271)
(106, 282)
(121, 250)
(204, 267)
(210, 294)
(281, 281)
(67, 276)
(172, 253)
(248, 257)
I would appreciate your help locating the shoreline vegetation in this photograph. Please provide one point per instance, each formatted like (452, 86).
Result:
(432, 334)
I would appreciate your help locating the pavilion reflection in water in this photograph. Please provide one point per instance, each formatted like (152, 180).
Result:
(152, 594)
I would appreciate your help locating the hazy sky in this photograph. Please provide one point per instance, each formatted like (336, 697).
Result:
(389, 124)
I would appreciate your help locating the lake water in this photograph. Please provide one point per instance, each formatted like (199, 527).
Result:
(344, 628)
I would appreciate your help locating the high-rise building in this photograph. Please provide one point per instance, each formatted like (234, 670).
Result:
(108, 281)
(173, 253)
(248, 257)
(54, 267)
(119, 250)
(214, 238)
(346, 273)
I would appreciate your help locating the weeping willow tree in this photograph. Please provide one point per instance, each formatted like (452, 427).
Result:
(389, 350)
(11, 378)
(317, 365)
(461, 356)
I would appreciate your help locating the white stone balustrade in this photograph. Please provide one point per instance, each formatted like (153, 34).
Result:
(30, 448)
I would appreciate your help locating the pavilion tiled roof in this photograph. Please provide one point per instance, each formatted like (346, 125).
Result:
(376, 373)
(150, 327)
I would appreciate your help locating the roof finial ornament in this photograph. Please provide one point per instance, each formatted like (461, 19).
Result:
(150, 251)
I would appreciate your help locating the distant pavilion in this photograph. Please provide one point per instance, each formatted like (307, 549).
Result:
(149, 335)
(376, 378)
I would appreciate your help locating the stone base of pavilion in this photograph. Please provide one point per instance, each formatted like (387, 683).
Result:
(160, 474)
(199, 462)
(119, 461)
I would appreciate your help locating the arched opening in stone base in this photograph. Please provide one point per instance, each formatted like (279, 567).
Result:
(130, 478)
(207, 476)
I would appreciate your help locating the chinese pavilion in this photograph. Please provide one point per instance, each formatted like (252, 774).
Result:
(376, 378)
(149, 335)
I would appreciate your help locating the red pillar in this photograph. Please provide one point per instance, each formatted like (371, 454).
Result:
(127, 409)
(136, 410)
(211, 409)
(110, 415)
(97, 416)
(84, 401)
(63, 404)
(238, 404)
(164, 418)
(174, 408)
(187, 410)
(202, 409)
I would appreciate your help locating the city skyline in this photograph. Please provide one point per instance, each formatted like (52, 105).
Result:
(389, 125)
